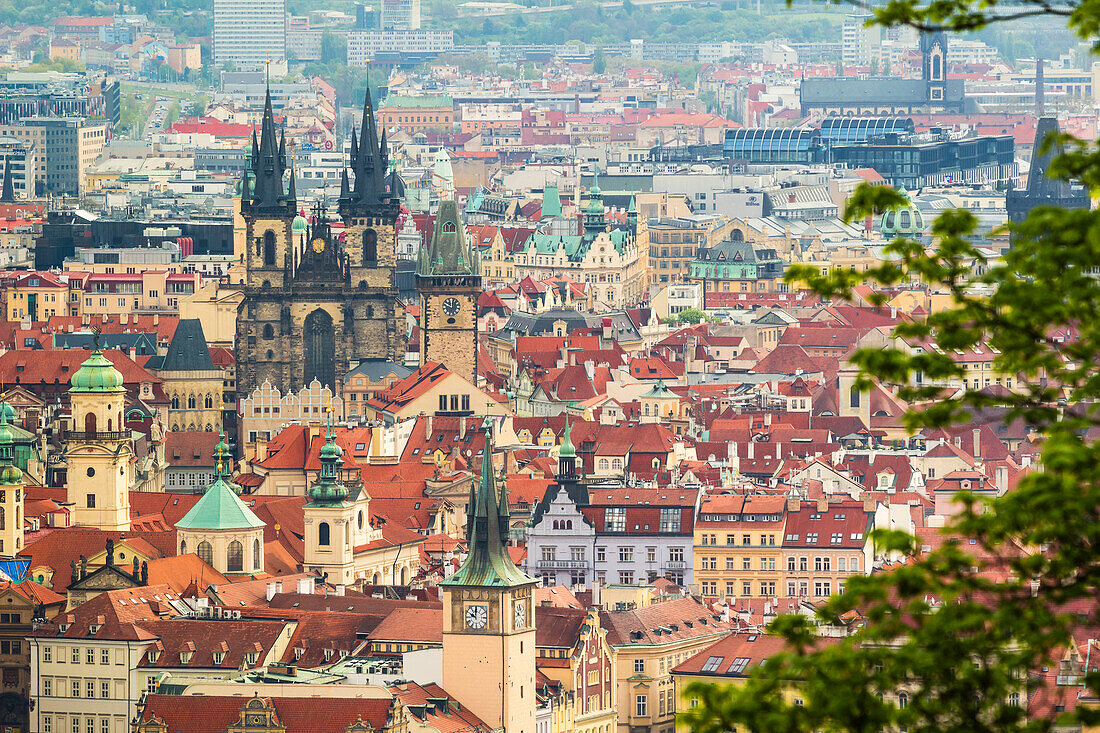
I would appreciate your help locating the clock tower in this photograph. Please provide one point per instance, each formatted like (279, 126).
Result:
(448, 278)
(488, 618)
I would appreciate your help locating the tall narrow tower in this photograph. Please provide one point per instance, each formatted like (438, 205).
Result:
(99, 450)
(488, 619)
(448, 278)
(11, 493)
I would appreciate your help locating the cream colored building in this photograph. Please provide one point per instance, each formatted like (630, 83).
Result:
(99, 449)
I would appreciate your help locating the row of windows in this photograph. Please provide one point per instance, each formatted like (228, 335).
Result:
(75, 656)
(90, 689)
(105, 725)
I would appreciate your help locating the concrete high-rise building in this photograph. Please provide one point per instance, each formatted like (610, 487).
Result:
(249, 33)
(858, 41)
(399, 15)
(66, 148)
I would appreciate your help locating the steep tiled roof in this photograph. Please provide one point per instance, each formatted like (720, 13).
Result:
(217, 713)
(662, 623)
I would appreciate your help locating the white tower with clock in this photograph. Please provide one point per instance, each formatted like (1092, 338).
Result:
(488, 621)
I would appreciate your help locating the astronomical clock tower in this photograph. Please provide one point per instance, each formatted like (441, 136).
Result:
(488, 618)
(448, 278)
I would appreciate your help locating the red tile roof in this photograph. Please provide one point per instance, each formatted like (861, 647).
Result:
(217, 713)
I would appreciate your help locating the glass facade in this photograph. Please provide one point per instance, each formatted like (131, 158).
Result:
(775, 145)
(845, 130)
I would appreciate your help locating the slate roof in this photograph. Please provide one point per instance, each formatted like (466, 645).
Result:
(188, 351)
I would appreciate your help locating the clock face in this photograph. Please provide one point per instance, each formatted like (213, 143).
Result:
(520, 615)
(318, 245)
(451, 306)
(477, 617)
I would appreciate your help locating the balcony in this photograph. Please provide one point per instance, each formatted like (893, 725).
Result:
(562, 564)
(81, 435)
(674, 565)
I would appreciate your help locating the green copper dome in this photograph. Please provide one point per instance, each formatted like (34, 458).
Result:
(906, 221)
(299, 225)
(97, 374)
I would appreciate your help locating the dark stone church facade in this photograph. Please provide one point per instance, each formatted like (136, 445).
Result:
(316, 303)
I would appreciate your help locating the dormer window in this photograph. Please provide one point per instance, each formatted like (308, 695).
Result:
(153, 657)
(298, 652)
(219, 657)
(185, 657)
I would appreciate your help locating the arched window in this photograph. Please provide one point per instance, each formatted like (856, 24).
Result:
(208, 402)
(853, 396)
(3, 519)
(448, 227)
(89, 423)
(256, 555)
(175, 403)
(323, 532)
(616, 464)
(205, 552)
(269, 332)
(183, 547)
(234, 557)
(110, 425)
(937, 67)
(903, 700)
(604, 464)
(556, 524)
(269, 248)
(374, 580)
(404, 576)
(190, 402)
(569, 524)
(270, 355)
(370, 247)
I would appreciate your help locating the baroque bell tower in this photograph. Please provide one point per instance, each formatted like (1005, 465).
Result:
(488, 617)
(448, 278)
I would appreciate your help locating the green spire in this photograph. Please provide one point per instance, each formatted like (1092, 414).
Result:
(450, 253)
(488, 563)
(567, 450)
(329, 489)
(9, 472)
(223, 463)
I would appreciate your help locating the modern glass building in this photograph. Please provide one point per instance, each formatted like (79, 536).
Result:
(845, 130)
(775, 145)
(890, 145)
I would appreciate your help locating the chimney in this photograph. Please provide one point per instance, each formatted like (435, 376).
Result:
(269, 593)
(340, 589)
(869, 503)
(977, 433)
(278, 586)
(1025, 460)
(590, 368)
(428, 428)
(792, 503)
(462, 427)
(822, 503)
(752, 449)
(1002, 479)
(893, 312)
